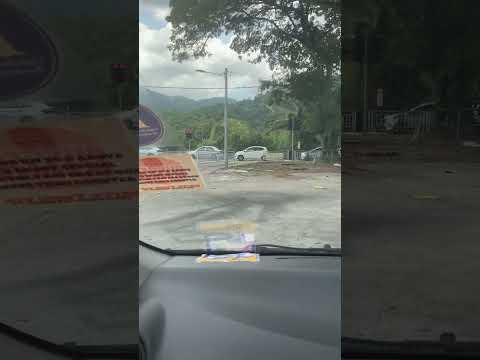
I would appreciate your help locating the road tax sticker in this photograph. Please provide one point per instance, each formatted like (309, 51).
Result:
(169, 172)
(229, 236)
(229, 258)
(51, 161)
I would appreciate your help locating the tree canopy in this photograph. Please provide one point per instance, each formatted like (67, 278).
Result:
(298, 39)
(295, 35)
(434, 41)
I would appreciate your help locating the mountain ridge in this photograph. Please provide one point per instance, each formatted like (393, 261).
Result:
(161, 103)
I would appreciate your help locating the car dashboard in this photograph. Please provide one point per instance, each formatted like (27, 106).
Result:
(282, 307)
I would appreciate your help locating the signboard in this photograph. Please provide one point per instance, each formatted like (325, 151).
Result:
(379, 97)
(28, 57)
(119, 73)
(169, 172)
(151, 129)
(51, 161)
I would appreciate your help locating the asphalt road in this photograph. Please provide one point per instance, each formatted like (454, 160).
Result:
(410, 248)
(294, 208)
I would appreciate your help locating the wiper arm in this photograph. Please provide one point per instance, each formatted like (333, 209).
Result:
(353, 348)
(72, 350)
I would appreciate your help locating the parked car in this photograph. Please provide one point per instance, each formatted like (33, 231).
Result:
(312, 154)
(252, 153)
(29, 111)
(149, 151)
(169, 149)
(391, 120)
(206, 152)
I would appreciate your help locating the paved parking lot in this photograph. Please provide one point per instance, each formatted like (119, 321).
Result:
(292, 204)
(410, 245)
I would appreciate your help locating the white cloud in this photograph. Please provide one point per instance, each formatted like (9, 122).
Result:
(158, 68)
(161, 12)
(154, 3)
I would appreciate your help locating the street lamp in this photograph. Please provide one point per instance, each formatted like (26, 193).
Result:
(225, 123)
(364, 33)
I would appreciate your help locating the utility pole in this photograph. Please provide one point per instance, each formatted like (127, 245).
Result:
(225, 122)
(292, 123)
(365, 80)
(119, 76)
(119, 94)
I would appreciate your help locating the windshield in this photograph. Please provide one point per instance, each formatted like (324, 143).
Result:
(239, 177)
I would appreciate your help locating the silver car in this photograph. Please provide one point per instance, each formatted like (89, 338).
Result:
(149, 151)
(206, 152)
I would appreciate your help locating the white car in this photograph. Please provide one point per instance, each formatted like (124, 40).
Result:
(206, 152)
(390, 121)
(34, 110)
(252, 153)
(149, 151)
(315, 153)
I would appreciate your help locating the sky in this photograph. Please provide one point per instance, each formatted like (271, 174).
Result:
(157, 67)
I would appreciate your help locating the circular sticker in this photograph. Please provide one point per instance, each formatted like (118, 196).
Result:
(150, 128)
(28, 56)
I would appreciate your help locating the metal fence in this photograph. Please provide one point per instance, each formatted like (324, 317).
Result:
(376, 120)
(326, 156)
(349, 121)
(401, 121)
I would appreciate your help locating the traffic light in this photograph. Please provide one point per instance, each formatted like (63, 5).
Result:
(292, 123)
(119, 73)
(358, 46)
(376, 49)
(188, 133)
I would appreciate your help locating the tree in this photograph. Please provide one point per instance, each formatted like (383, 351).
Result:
(434, 41)
(315, 105)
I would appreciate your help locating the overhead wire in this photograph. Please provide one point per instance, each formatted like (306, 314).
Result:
(200, 88)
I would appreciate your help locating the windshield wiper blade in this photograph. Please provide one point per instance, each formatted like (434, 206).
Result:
(168, 252)
(259, 249)
(272, 249)
(72, 350)
(354, 348)
(262, 249)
